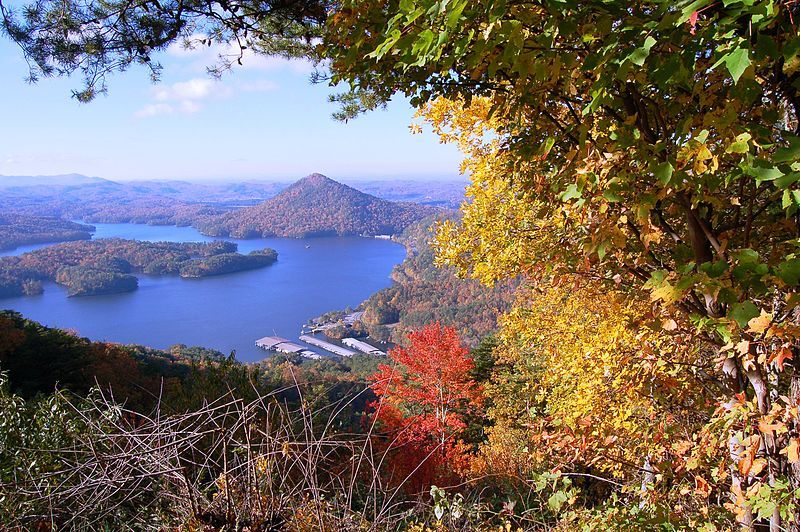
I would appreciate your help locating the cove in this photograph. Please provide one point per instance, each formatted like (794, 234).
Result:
(227, 312)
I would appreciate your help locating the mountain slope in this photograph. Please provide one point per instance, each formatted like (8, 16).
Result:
(317, 206)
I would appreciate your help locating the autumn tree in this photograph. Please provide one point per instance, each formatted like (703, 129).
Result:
(592, 384)
(650, 144)
(424, 399)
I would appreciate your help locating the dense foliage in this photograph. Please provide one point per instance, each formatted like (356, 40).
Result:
(649, 146)
(134, 437)
(103, 266)
(422, 293)
(317, 206)
(227, 263)
(38, 359)
(17, 230)
(87, 281)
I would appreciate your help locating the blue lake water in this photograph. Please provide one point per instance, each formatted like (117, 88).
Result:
(227, 312)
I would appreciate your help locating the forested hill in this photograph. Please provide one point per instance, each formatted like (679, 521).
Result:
(104, 266)
(317, 206)
(18, 229)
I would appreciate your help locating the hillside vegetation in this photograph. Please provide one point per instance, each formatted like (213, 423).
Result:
(422, 293)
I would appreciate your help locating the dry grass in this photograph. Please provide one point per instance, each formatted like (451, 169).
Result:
(232, 464)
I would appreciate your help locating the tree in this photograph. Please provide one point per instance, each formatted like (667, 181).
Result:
(592, 384)
(424, 400)
(652, 145)
(97, 37)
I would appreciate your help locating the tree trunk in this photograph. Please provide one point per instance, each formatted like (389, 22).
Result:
(648, 478)
(793, 471)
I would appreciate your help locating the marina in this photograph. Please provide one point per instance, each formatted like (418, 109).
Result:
(282, 345)
(364, 347)
(327, 346)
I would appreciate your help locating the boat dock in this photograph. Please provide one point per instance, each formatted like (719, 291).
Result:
(364, 347)
(327, 346)
(282, 345)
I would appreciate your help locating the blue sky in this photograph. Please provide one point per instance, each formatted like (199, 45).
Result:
(262, 121)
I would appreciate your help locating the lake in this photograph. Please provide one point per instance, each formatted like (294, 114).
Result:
(227, 312)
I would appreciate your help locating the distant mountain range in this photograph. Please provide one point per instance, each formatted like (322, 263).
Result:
(63, 180)
(317, 206)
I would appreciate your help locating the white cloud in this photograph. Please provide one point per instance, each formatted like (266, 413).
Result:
(201, 56)
(193, 89)
(188, 97)
(156, 109)
(183, 97)
(191, 95)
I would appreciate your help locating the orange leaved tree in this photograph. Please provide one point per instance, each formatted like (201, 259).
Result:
(425, 395)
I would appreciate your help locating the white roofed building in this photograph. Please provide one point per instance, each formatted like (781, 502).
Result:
(364, 347)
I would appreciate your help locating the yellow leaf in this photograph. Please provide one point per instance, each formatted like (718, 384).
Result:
(765, 427)
(792, 451)
(743, 347)
(701, 486)
(757, 467)
(749, 454)
(759, 324)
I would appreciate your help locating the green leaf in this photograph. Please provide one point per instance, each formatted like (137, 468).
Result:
(789, 271)
(786, 200)
(638, 56)
(714, 269)
(737, 62)
(455, 14)
(764, 172)
(572, 192)
(663, 172)
(741, 313)
(747, 256)
(788, 179)
(791, 153)
(687, 11)
(557, 500)
(740, 145)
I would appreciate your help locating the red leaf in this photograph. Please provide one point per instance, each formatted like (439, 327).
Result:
(693, 22)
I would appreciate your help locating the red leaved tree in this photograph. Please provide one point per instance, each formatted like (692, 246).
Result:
(424, 399)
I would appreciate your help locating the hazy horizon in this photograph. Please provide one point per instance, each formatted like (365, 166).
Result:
(229, 180)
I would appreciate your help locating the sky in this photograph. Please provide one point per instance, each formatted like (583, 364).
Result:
(262, 121)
